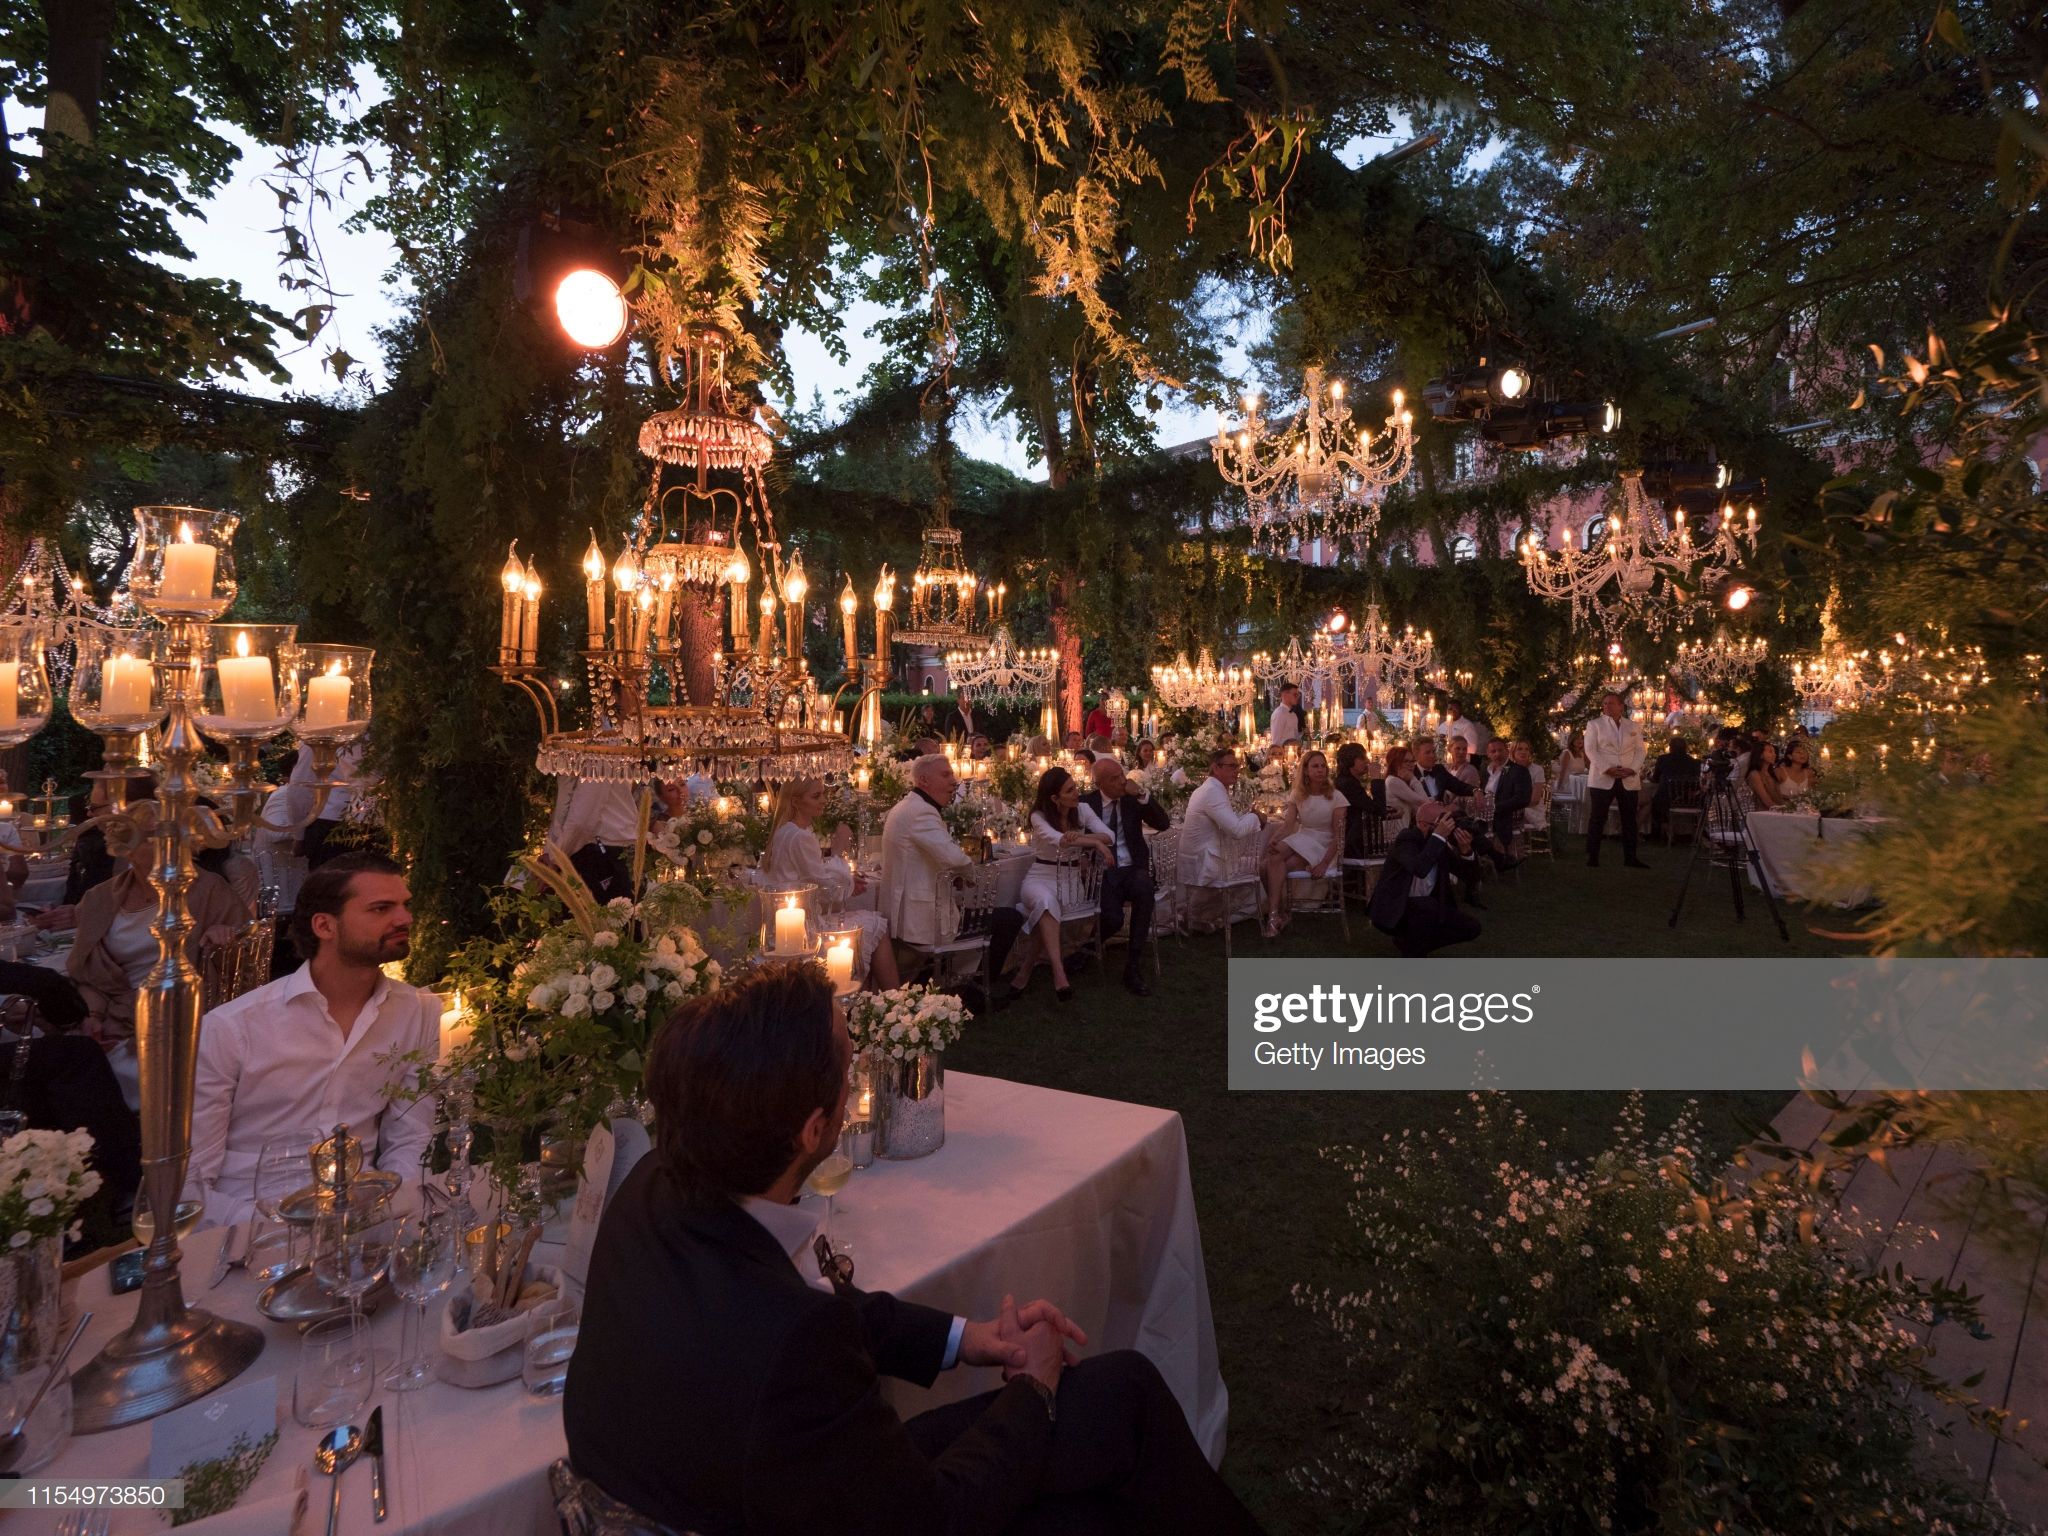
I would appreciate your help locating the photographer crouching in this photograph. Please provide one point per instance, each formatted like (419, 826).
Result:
(1414, 904)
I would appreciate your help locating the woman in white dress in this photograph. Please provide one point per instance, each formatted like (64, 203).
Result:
(1310, 835)
(794, 858)
(1405, 789)
(1063, 831)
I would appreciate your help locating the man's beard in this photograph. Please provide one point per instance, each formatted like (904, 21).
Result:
(390, 947)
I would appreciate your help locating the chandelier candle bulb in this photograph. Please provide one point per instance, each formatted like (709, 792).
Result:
(248, 686)
(513, 580)
(849, 608)
(10, 692)
(188, 571)
(529, 618)
(593, 595)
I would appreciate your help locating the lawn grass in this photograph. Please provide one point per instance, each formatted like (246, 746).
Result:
(1270, 1208)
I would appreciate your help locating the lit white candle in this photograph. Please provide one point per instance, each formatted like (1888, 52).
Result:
(839, 965)
(124, 686)
(10, 692)
(789, 928)
(248, 688)
(327, 700)
(456, 1025)
(188, 571)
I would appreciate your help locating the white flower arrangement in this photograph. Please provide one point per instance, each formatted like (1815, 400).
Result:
(903, 1022)
(977, 814)
(612, 972)
(44, 1178)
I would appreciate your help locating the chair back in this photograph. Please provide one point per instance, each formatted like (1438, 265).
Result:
(587, 1510)
(975, 898)
(1372, 834)
(1236, 863)
(1077, 885)
(237, 967)
(1685, 795)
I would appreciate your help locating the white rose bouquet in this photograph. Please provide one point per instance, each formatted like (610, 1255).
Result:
(903, 1022)
(44, 1179)
(976, 815)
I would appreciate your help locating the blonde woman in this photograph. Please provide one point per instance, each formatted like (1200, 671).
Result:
(1310, 835)
(794, 858)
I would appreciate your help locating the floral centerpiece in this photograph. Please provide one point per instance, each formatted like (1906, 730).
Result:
(45, 1176)
(713, 839)
(1634, 1343)
(900, 1036)
(1014, 781)
(977, 818)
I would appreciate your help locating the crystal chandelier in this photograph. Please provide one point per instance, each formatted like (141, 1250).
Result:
(670, 688)
(1721, 663)
(941, 592)
(1203, 686)
(1318, 477)
(45, 597)
(1381, 660)
(1002, 670)
(1641, 572)
(1834, 678)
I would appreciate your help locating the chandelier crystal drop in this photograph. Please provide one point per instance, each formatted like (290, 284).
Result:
(1203, 686)
(1721, 664)
(1318, 477)
(1002, 670)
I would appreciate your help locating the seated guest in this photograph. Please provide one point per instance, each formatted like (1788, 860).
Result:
(793, 858)
(1459, 726)
(1458, 762)
(90, 863)
(1063, 832)
(116, 946)
(318, 1048)
(1403, 787)
(1362, 796)
(1512, 789)
(1310, 836)
(1126, 810)
(1676, 774)
(708, 1277)
(1795, 773)
(930, 746)
(1413, 903)
(1762, 777)
(921, 862)
(1073, 744)
(1952, 773)
(1212, 823)
(1148, 754)
(979, 747)
(1437, 777)
(1097, 747)
(1038, 746)
(1573, 760)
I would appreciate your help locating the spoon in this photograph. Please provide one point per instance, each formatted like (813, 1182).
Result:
(12, 1444)
(336, 1454)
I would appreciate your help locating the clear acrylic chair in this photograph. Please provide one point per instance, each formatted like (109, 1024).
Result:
(1233, 867)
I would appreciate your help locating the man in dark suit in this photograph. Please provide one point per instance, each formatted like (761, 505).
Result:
(964, 724)
(1512, 788)
(1677, 777)
(1413, 903)
(726, 1378)
(1437, 777)
(1128, 880)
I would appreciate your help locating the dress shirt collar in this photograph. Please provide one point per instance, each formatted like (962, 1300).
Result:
(793, 1228)
(300, 984)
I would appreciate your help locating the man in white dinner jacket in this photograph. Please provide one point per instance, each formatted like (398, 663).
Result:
(1614, 749)
(1212, 821)
(920, 860)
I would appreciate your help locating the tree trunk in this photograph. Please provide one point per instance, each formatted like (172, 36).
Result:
(81, 35)
(1066, 638)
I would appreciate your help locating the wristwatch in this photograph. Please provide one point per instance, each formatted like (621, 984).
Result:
(1052, 1412)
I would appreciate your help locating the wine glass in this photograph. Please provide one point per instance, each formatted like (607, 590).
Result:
(827, 1179)
(352, 1249)
(335, 1373)
(279, 1174)
(425, 1255)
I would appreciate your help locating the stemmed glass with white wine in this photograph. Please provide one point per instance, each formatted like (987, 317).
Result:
(352, 1249)
(826, 1180)
(426, 1253)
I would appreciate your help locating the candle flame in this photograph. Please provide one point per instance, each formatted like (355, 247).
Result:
(242, 642)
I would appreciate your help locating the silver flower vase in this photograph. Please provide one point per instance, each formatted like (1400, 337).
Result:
(910, 1106)
(31, 1329)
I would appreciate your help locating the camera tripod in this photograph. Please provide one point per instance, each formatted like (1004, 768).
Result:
(1725, 828)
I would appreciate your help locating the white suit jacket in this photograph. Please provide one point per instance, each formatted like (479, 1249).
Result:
(1210, 823)
(1613, 744)
(918, 859)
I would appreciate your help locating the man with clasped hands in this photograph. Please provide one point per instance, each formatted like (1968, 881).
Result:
(1614, 750)
(722, 1383)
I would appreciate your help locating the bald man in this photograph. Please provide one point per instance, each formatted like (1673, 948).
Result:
(921, 863)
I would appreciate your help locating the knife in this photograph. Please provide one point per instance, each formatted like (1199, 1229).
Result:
(373, 1447)
(225, 1259)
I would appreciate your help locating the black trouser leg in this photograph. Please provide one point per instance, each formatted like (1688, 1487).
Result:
(1627, 800)
(1130, 886)
(1428, 925)
(1123, 1458)
(1005, 923)
(1597, 802)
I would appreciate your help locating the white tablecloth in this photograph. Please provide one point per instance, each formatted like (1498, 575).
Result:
(1085, 1201)
(1799, 853)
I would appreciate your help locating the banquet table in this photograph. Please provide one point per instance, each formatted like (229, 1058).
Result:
(1082, 1200)
(1800, 852)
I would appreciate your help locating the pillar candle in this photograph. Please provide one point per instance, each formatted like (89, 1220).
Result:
(789, 929)
(10, 692)
(248, 689)
(188, 573)
(839, 965)
(124, 686)
(327, 701)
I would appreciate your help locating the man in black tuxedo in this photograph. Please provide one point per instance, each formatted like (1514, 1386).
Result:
(1677, 777)
(1413, 903)
(1128, 880)
(727, 1376)
(1509, 782)
(1437, 777)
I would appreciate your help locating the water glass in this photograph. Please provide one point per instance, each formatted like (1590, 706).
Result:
(550, 1340)
(336, 1372)
(424, 1258)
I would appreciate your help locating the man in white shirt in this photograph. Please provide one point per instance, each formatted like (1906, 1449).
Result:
(1212, 822)
(1458, 723)
(920, 862)
(320, 1047)
(596, 822)
(1614, 748)
(1285, 725)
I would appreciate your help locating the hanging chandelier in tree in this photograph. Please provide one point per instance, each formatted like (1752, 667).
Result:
(1318, 477)
(1721, 664)
(1203, 686)
(941, 591)
(1001, 669)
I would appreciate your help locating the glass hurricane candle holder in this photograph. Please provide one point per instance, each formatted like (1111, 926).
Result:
(184, 565)
(333, 692)
(250, 681)
(789, 922)
(841, 949)
(24, 684)
(116, 689)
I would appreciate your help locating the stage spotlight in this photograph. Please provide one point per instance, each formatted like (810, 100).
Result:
(591, 308)
(1512, 384)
